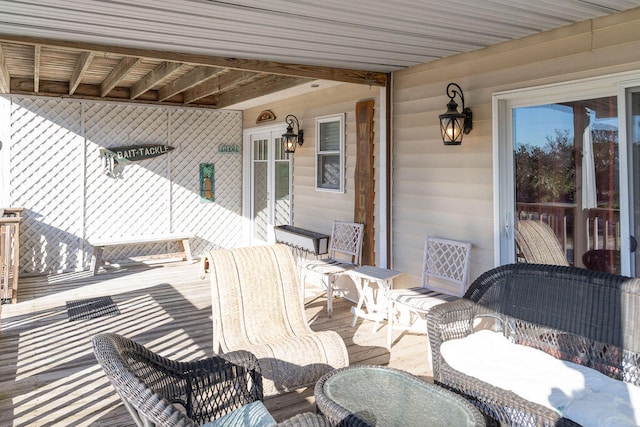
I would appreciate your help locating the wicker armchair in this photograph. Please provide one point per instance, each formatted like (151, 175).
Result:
(256, 306)
(219, 391)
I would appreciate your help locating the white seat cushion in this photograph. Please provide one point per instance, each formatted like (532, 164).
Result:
(579, 393)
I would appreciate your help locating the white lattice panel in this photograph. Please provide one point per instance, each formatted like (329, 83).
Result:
(56, 174)
(196, 136)
(136, 201)
(46, 179)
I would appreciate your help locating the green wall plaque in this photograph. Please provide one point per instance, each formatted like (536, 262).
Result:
(207, 182)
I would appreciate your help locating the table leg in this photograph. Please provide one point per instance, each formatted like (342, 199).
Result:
(358, 309)
(96, 260)
(185, 246)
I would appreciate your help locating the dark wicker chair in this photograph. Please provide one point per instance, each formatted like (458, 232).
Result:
(161, 392)
(589, 318)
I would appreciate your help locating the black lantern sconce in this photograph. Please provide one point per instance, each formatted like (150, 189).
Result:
(291, 138)
(454, 124)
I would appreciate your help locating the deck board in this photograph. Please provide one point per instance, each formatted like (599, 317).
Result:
(48, 375)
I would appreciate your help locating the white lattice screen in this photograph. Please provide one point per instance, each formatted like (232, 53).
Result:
(46, 158)
(57, 176)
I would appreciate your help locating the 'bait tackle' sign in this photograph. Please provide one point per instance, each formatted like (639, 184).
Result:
(132, 153)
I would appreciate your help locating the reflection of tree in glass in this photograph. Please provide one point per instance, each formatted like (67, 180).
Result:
(547, 174)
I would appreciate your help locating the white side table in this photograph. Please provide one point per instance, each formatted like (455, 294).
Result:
(372, 284)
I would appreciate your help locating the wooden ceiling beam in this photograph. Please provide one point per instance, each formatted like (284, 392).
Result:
(5, 78)
(222, 82)
(81, 68)
(154, 77)
(264, 86)
(118, 73)
(24, 86)
(192, 78)
(371, 78)
(36, 67)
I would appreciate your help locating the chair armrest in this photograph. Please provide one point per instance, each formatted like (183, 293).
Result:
(451, 320)
(218, 385)
(445, 322)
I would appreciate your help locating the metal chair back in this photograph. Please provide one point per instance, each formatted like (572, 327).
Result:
(346, 242)
(446, 260)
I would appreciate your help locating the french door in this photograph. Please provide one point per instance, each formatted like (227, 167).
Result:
(269, 183)
(569, 156)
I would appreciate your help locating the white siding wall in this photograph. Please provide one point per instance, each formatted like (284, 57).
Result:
(56, 175)
(316, 210)
(448, 191)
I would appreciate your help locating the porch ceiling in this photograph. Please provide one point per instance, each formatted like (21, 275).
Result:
(223, 54)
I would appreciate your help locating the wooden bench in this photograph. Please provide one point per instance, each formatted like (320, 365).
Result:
(99, 245)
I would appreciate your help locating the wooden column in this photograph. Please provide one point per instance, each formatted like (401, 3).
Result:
(364, 179)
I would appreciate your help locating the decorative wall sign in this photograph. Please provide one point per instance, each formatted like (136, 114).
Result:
(228, 148)
(207, 182)
(133, 153)
(265, 116)
(364, 177)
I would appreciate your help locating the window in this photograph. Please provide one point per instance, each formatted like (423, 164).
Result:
(330, 153)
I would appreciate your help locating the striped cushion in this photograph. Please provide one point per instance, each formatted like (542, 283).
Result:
(419, 298)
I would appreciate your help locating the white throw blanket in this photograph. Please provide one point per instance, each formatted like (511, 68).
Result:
(579, 393)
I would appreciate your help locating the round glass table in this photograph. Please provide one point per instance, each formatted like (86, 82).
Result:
(365, 395)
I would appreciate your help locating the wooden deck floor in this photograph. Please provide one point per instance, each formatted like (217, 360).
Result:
(48, 375)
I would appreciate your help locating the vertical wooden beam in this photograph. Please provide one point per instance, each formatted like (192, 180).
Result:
(5, 78)
(80, 70)
(36, 68)
(364, 178)
(118, 73)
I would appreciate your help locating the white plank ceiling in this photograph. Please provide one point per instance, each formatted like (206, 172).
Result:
(371, 35)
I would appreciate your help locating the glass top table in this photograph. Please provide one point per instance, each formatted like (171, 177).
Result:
(364, 395)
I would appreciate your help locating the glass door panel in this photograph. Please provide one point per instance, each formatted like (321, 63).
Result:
(282, 215)
(270, 186)
(260, 202)
(566, 167)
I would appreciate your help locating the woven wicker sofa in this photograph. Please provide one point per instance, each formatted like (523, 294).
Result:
(574, 315)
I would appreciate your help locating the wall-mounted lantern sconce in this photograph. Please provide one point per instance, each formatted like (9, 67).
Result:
(452, 123)
(291, 138)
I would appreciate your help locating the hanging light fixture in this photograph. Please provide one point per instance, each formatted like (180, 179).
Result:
(454, 124)
(291, 138)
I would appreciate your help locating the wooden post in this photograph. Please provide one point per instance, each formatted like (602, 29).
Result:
(9, 253)
(364, 178)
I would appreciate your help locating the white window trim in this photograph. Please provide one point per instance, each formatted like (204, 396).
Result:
(325, 119)
(503, 103)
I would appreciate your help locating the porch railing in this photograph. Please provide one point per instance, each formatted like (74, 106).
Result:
(9, 253)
